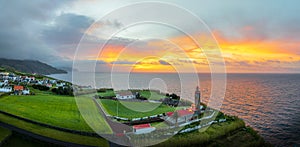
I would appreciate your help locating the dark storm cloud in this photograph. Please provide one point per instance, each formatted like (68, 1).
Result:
(67, 29)
(20, 28)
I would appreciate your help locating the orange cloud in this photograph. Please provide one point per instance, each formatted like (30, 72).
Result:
(244, 54)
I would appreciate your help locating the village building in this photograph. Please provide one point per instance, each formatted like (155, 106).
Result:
(142, 128)
(4, 73)
(2, 84)
(48, 85)
(179, 116)
(6, 89)
(183, 116)
(125, 95)
(26, 92)
(18, 89)
(60, 84)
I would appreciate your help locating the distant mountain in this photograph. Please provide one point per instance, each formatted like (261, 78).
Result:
(29, 66)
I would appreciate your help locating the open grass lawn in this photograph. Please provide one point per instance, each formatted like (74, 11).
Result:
(4, 133)
(59, 135)
(151, 95)
(55, 110)
(129, 109)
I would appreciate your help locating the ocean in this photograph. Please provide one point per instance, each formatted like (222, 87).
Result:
(270, 103)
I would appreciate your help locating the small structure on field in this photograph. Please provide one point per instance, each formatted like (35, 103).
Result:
(125, 95)
(143, 128)
(6, 89)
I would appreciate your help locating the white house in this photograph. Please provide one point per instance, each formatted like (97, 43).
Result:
(125, 95)
(6, 89)
(26, 92)
(60, 84)
(52, 81)
(143, 128)
(1, 84)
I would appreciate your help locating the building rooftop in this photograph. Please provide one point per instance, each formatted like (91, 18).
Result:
(181, 113)
(142, 126)
(124, 93)
(18, 87)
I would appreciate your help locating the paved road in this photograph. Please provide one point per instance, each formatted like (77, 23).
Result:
(117, 128)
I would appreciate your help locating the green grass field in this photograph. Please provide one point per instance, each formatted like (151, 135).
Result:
(133, 109)
(4, 133)
(55, 110)
(151, 95)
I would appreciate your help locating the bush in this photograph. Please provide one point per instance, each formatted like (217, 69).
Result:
(63, 90)
(101, 90)
(41, 87)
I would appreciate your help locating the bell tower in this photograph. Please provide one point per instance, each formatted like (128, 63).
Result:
(197, 98)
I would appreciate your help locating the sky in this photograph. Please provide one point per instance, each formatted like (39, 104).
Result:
(258, 36)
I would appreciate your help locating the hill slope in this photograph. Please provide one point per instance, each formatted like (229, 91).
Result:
(29, 66)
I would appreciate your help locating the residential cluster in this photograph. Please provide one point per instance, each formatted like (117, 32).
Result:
(18, 84)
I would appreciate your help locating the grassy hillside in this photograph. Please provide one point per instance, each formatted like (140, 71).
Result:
(29, 66)
(56, 110)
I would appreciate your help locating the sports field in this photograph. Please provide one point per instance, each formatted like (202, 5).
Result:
(130, 109)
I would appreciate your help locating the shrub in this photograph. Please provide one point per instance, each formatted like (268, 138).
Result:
(41, 87)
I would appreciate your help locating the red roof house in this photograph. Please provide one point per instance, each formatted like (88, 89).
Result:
(18, 87)
(182, 116)
(142, 128)
(181, 113)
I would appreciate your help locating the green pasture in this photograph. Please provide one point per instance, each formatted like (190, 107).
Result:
(52, 109)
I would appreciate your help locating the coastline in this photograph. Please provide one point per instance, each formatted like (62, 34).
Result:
(220, 136)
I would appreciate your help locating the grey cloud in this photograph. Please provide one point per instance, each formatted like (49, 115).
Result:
(68, 29)
(162, 62)
(20, 29)
(189, 61)
(123, 62)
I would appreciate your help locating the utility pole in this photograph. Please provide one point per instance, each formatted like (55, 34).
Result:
(117, 108)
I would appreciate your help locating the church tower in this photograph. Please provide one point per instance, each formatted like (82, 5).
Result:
(197, 98)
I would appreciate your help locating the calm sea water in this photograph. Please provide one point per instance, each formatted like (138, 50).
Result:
(270, 103)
